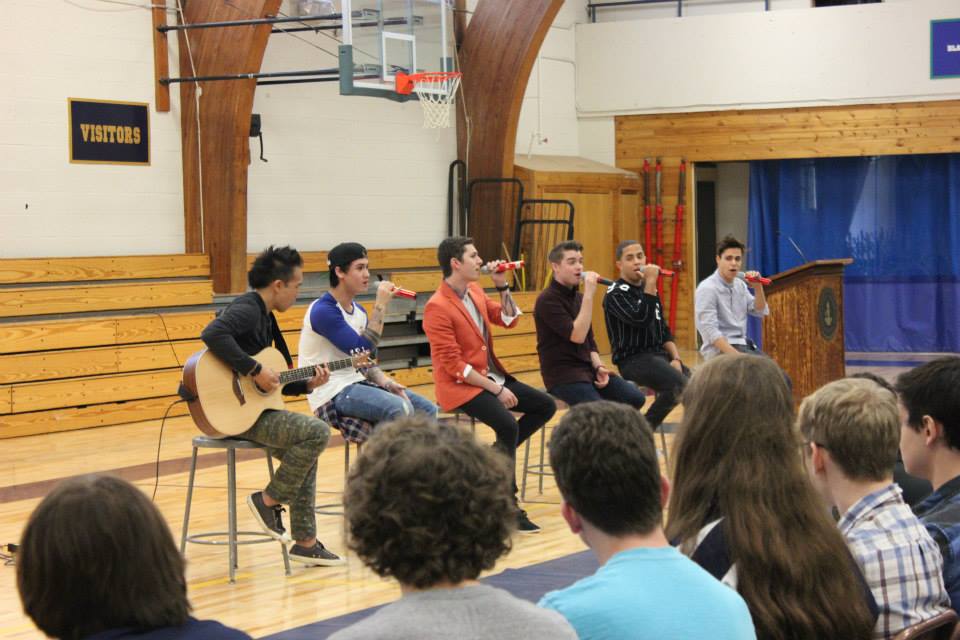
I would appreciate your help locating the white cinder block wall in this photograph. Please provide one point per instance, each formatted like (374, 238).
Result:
(52, 51)
(872, 53)
(342, 167)
(359, 168)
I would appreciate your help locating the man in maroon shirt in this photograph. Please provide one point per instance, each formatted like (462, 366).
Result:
(569, 362)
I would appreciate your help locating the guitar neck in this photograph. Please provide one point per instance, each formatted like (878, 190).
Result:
(305, 373)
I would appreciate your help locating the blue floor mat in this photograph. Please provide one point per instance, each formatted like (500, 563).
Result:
(529, 583)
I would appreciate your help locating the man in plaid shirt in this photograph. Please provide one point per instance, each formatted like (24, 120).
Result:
(850, 430)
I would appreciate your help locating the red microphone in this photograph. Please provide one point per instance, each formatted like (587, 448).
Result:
(503, 266)
(759, 279)
(405, 293)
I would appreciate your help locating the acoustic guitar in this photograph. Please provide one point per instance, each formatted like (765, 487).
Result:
(224, 403)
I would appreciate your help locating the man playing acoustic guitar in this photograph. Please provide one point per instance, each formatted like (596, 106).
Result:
(243, 329)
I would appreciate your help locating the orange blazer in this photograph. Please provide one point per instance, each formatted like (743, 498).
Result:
(455, 342)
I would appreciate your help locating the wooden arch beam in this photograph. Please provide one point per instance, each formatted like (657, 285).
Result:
(497, 53)
(217, 175)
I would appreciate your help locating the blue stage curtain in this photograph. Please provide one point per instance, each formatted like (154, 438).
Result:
(898, 217)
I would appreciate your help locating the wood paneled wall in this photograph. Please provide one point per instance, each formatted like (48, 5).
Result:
(768, 134)
(808, 132)
(606, 211)
(215, 145)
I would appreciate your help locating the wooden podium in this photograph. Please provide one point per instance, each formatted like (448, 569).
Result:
(804, 331)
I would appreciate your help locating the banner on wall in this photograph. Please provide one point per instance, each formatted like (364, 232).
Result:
(945, 48)
(108, 132)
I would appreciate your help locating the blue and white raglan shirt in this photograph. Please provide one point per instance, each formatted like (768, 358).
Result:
(330, 333)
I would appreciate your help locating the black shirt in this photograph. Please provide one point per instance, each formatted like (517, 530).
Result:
(635, 321)
(562, 361)
(241, 330)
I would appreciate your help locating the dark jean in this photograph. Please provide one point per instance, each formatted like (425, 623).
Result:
(617, 390)
(536, 407)
(654, 370)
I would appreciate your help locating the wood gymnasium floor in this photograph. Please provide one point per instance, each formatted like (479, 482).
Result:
(263, 600)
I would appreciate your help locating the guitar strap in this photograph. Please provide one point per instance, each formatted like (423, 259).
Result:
(279, 342)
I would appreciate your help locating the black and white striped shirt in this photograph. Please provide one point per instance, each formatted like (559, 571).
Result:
(635, 321)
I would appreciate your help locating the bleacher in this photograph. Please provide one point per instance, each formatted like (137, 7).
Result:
(96, 341)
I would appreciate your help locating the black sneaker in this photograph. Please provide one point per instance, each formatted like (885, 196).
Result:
(270, 518)
(317, 556)
(524, 524)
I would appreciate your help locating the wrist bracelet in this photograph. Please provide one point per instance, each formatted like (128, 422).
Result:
(499, 392)
(505, 287)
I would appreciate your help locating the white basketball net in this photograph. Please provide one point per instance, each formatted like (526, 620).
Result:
(437, 92)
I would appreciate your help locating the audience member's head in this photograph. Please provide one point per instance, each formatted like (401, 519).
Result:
(429, 505)
(605, 464)
(930, 419)
(849, 426)
(870, 375)
(737, 458)
(96, 555)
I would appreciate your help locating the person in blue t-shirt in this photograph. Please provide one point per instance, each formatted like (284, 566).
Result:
(606, 467)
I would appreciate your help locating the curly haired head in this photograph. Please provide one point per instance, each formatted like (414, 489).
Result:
(426, 504)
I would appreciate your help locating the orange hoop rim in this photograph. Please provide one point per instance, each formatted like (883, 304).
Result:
(405, 83)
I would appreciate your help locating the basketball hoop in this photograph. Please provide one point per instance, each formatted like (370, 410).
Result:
(436, 92)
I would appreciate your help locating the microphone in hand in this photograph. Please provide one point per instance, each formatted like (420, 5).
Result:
(756, 279)
(405, 293)
(503, 266)
(604, 281)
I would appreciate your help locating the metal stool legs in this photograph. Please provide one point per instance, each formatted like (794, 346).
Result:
(663, 445)
(538, 470)
(232, 534)
(328, 509)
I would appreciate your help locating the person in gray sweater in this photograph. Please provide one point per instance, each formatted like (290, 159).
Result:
(428, 505)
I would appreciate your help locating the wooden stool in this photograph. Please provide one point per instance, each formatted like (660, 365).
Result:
(233, 536)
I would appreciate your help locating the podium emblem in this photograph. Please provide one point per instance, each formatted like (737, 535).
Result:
(828, 313)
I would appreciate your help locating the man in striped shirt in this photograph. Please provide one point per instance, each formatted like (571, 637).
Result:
(643, 346)
(850, 430)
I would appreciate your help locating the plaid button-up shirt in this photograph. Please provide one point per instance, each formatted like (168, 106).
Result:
(352, 429)
(900, 561)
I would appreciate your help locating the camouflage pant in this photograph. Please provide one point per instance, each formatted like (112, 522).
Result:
(296, 440)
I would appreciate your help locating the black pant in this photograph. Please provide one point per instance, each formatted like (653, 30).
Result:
(536, 407)
(655, 371)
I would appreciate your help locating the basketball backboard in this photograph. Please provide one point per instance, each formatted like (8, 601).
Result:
(383, 37)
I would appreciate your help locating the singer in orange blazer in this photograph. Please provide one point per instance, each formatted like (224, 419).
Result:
(455, 341)
(463, 355)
